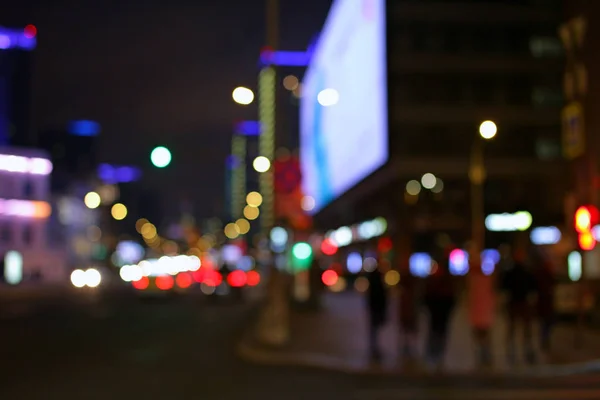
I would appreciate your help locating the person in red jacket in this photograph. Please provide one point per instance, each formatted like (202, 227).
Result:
(408, 317)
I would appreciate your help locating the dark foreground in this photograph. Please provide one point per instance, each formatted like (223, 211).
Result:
(185, 349)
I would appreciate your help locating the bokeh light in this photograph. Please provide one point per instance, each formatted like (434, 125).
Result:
(119, 211)
(261, 164)
(428, 181)
(413, 187)
(328, 97)
(488, 129)
(231, 231)
(361, 284)
(243, 226)
(242, 95)
(94, 233)
(139, 224)
(92, 200)
(329, 277)
(290, 82)
(251, 213)
(252, 278)
(148, 231)
(254, 199)
(439, 186)
(308, 203)
(160, 157)
(392, 278)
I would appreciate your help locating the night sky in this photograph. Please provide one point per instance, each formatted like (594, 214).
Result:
(156, 72)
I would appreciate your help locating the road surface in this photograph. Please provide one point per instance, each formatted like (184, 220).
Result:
(184, 349)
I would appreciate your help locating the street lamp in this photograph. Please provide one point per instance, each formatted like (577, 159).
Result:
(160, 157)
(242, 95)
(488, 129)
(477, 176)
(261, 164)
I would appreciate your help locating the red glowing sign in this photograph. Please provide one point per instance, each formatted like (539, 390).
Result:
(252, 278)
(142, 283)
(237, 279)
(184, 281)
(329, 277)
(165, 282)
(30, 31)
(328, 247)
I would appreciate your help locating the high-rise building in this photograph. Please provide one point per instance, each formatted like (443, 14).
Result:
(24, 213)
(580, 34)
(450, 66)
(73, 155)
(16, 47)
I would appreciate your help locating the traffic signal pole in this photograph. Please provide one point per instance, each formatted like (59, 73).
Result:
(273, 326)
(579, 145)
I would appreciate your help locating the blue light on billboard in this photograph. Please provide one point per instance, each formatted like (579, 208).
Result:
(248, 128)
(113, 174)
(285, 58)
(84, 128)
(343, 111)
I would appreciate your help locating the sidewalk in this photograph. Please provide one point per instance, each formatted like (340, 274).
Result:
(336, 338)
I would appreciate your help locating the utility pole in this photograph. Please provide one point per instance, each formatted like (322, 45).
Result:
(273, 327)
(576, 141)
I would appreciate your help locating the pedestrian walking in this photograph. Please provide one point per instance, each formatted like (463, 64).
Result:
(440, 299)
(545, 284)
(519, 284)
(408, 317)
(377, 302)
(481, 300)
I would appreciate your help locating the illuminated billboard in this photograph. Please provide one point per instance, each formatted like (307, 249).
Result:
(343, 111)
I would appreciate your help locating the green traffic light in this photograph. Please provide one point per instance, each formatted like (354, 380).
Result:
(160, 157)
(302, 255)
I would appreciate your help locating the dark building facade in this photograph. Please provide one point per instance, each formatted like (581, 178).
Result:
(74, 157)
(15, 89)
(453, 65)
(580, 34)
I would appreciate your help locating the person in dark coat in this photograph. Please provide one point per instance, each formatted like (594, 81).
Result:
(519, 285)
(377, 303)
(440, 299)
(408, 317)
(545, 284)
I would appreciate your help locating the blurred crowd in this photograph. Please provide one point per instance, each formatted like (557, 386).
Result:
(522, 285)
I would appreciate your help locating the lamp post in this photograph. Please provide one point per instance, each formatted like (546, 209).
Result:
(477, 176)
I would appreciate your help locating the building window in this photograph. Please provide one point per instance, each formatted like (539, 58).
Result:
(27, 235)
(5, 233)
(545, 46)
(544, 97)
(547, 149)
(28, 189)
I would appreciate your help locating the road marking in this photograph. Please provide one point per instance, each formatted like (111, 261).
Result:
(479, 394)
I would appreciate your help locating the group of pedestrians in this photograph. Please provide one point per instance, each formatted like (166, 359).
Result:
(524, 277)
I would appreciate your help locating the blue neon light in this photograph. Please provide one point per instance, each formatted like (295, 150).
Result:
(285, 58)
(84, 128)
(248, 128)
(113, 174)
(16, 39)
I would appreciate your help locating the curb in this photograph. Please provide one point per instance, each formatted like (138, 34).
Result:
(256, 355)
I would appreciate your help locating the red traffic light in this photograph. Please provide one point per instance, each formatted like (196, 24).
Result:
(30, 31)
(585, 218)
(587, 241)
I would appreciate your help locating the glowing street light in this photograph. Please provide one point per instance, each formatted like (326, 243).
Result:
(160, 157)
(328, 97)
(488, 129)
(92, 200)
(254, 199)
(243, 95)
(119, 211)
(261, 164)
